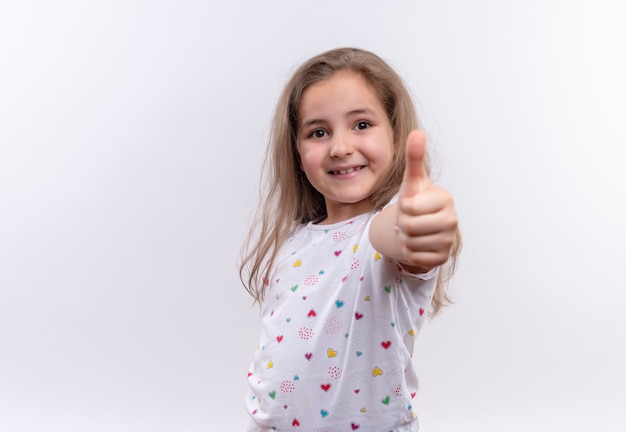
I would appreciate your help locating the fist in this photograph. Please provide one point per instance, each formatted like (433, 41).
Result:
(426, 219)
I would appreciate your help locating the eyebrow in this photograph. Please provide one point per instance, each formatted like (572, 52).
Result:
(353, 112)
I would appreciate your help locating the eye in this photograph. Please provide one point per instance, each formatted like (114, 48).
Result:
(362, 125)
(318, 133)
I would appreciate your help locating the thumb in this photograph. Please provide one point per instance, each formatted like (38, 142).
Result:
(415, 176)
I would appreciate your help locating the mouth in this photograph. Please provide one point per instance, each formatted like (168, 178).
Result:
(346, 170)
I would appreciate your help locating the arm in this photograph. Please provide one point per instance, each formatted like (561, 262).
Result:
(420, 228)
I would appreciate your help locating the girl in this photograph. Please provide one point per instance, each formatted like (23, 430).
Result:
(346, 253)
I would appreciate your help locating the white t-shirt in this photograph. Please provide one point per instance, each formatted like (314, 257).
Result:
(339, 323)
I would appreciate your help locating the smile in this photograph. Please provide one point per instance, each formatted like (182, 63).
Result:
(346, 171)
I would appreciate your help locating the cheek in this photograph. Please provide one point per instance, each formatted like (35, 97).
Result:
(390, 163)
(393, 152)
(301, 155)
(390, 159)
(308, 159)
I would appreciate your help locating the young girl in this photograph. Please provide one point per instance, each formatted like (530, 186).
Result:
(346, 253)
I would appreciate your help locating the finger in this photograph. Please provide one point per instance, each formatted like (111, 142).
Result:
(426, 260)
(415, 176)
(427, 224)
(438, 242)
(432, 200)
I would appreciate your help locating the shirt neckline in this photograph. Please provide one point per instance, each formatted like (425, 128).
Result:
(350, 221)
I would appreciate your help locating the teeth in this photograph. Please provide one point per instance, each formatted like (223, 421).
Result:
(345, 171)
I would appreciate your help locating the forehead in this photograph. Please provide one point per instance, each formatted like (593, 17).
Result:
(343, 92)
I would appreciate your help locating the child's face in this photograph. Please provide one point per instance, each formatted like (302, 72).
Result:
(345, 142)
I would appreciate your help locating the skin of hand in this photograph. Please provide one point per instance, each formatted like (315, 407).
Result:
(420, 228)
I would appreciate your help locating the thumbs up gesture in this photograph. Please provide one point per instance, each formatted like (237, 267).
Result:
(426, 220)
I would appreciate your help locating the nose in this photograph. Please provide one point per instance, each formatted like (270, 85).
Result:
(341, 145)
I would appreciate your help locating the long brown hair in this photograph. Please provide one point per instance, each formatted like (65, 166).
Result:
(286, 196)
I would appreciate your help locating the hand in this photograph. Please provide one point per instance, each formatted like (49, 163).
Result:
(426, 219)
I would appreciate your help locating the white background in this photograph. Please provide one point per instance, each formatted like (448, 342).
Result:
(131, 137)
